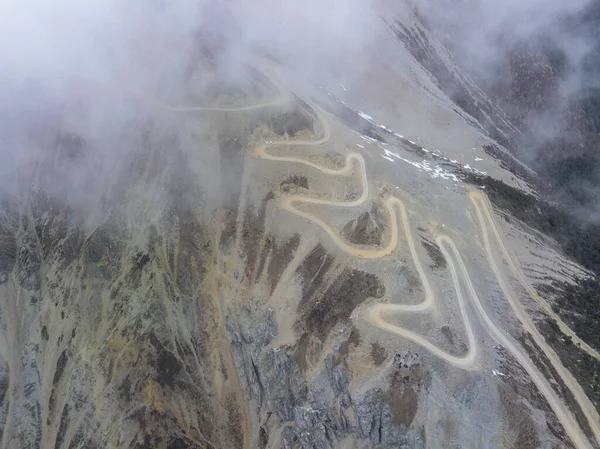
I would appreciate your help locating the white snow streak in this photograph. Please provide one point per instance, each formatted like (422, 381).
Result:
(435, 172)
(365, 116)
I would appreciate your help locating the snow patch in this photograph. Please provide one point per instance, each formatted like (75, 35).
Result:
(365, 116)
(368, 139)
(434, 171)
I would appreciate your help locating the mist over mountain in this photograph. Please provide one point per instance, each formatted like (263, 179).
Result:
(277, 224)
(539, 61)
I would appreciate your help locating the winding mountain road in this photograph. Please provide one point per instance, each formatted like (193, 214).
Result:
(374, 313)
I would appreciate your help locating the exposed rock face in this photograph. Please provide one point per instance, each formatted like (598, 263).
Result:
(366, 229)
(322, 412)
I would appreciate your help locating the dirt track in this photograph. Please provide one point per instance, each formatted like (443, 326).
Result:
(482, 206)
(482, 209)
(375, 312)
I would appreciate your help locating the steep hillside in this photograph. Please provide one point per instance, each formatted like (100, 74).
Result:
(282, 245)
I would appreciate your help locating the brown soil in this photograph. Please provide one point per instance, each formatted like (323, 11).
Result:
(353, 339)
(312, 271)
(8, 253)
(378, 354)
(407, 383)
(292, 122)
(319, 313)
(435, 254)
(281, 256)
(294, 180)
(252, 233)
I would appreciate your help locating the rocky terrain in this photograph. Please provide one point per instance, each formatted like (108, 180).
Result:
(272, 262)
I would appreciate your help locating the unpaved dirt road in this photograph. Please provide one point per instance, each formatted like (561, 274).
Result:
(482, 205)
(374, 313)
(460, 276)
(486, 221)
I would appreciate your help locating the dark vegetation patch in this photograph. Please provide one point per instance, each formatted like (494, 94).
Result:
(71, 247)
(435, 254)
(300, 352)
(578, 305)
(517, 385)
(367, 229)
(138, 263)
(510, 163)
(353, 339)
(312, 270)
(281, 255)
(58, 372)
(62, 428)
(69, 144)
(294, 180)
(448, 334)
(61, 363)
(3, 382)
(319, 311)
(125, 389)
(45, 335)
(263, 437)
(232, 169)
(168, 366)
(378, 354)
(28, 264)
(584, 367)
(407, 382)
(228, 233)
(140, 260)
(180, 443)
(51, 221)
(235, 425)
(538, 357)
(252, 233)
(191, 254)
(350, 117)
(159, 430)
(576, 177)
(8, 253)
(292, 122)
(102, 252)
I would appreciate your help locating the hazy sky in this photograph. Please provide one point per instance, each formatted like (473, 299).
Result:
(88, 66)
